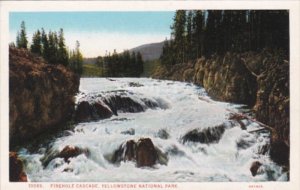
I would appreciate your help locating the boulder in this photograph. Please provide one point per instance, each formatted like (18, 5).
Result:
(16, 168)
(280, 153)
(254, 167)
(103, 105)
(72, 151)
(66, 153)
(86, 111)
(143, 152)
(125, 152)
(206, 136)
(123, 104)
(146, 154)
(130, 151)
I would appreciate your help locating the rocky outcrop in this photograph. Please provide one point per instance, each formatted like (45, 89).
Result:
(206, 136)
(259, 80)
(224, 77)
(143, 152)
(93, 107)
(254, 167)
(86, 111)
(41, 96)
(146, 155)
(273, 107)
(66, 153)
(16, 168)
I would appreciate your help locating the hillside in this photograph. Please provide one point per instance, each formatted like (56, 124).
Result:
(149, 51)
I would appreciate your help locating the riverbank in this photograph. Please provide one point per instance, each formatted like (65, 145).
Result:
(41, 96)
(259, 80)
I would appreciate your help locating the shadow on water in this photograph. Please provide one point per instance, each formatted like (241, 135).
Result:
(44, 139)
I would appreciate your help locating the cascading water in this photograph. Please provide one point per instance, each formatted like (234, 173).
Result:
(192, 131)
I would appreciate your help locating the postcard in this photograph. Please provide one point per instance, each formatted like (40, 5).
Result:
(149, 95)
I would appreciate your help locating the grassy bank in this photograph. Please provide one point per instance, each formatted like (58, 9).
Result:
(150, 67)
(91, 70)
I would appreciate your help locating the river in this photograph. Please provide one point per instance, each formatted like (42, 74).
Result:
(182, 107)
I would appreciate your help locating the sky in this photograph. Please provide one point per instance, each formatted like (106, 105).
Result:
(97, 32)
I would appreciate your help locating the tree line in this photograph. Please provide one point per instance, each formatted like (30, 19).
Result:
(125, 64)
(197, 33)
(51, 47)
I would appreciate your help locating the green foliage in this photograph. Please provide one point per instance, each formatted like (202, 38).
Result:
(121, 65)
(63, 56)
(198, 33)
(92, 70)
(21, 40)
(76, 60)
(36, 46)
(52, 48)
(150, 67)
(179, 33)
(167, 57)
(45, 45)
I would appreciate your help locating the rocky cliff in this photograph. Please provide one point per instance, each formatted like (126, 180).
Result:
(41, 96)
(259, 80)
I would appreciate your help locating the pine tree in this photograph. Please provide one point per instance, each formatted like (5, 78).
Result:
(22, 41)
(45, 46)
(76, 59)
(217, 31)
(139, 65)
(179, 33)
(189, 36)
(198, 34)
(126, 63)
(168, 53)
(63, 57)
(53, 48)
(36, 46)
(210, 33)
(132, 64)
(18, 40)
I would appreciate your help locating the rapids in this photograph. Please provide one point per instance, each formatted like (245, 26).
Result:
(182, 107)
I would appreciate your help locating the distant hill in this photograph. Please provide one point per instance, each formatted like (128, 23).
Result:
(91, 60)
(149, 51)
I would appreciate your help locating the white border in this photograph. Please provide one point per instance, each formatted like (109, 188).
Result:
(293, 6)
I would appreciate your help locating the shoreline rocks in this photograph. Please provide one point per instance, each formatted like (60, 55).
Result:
(41, 96)
(16, 168)
(257, 79)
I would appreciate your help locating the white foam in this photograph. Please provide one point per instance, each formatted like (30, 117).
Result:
(197, 162)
